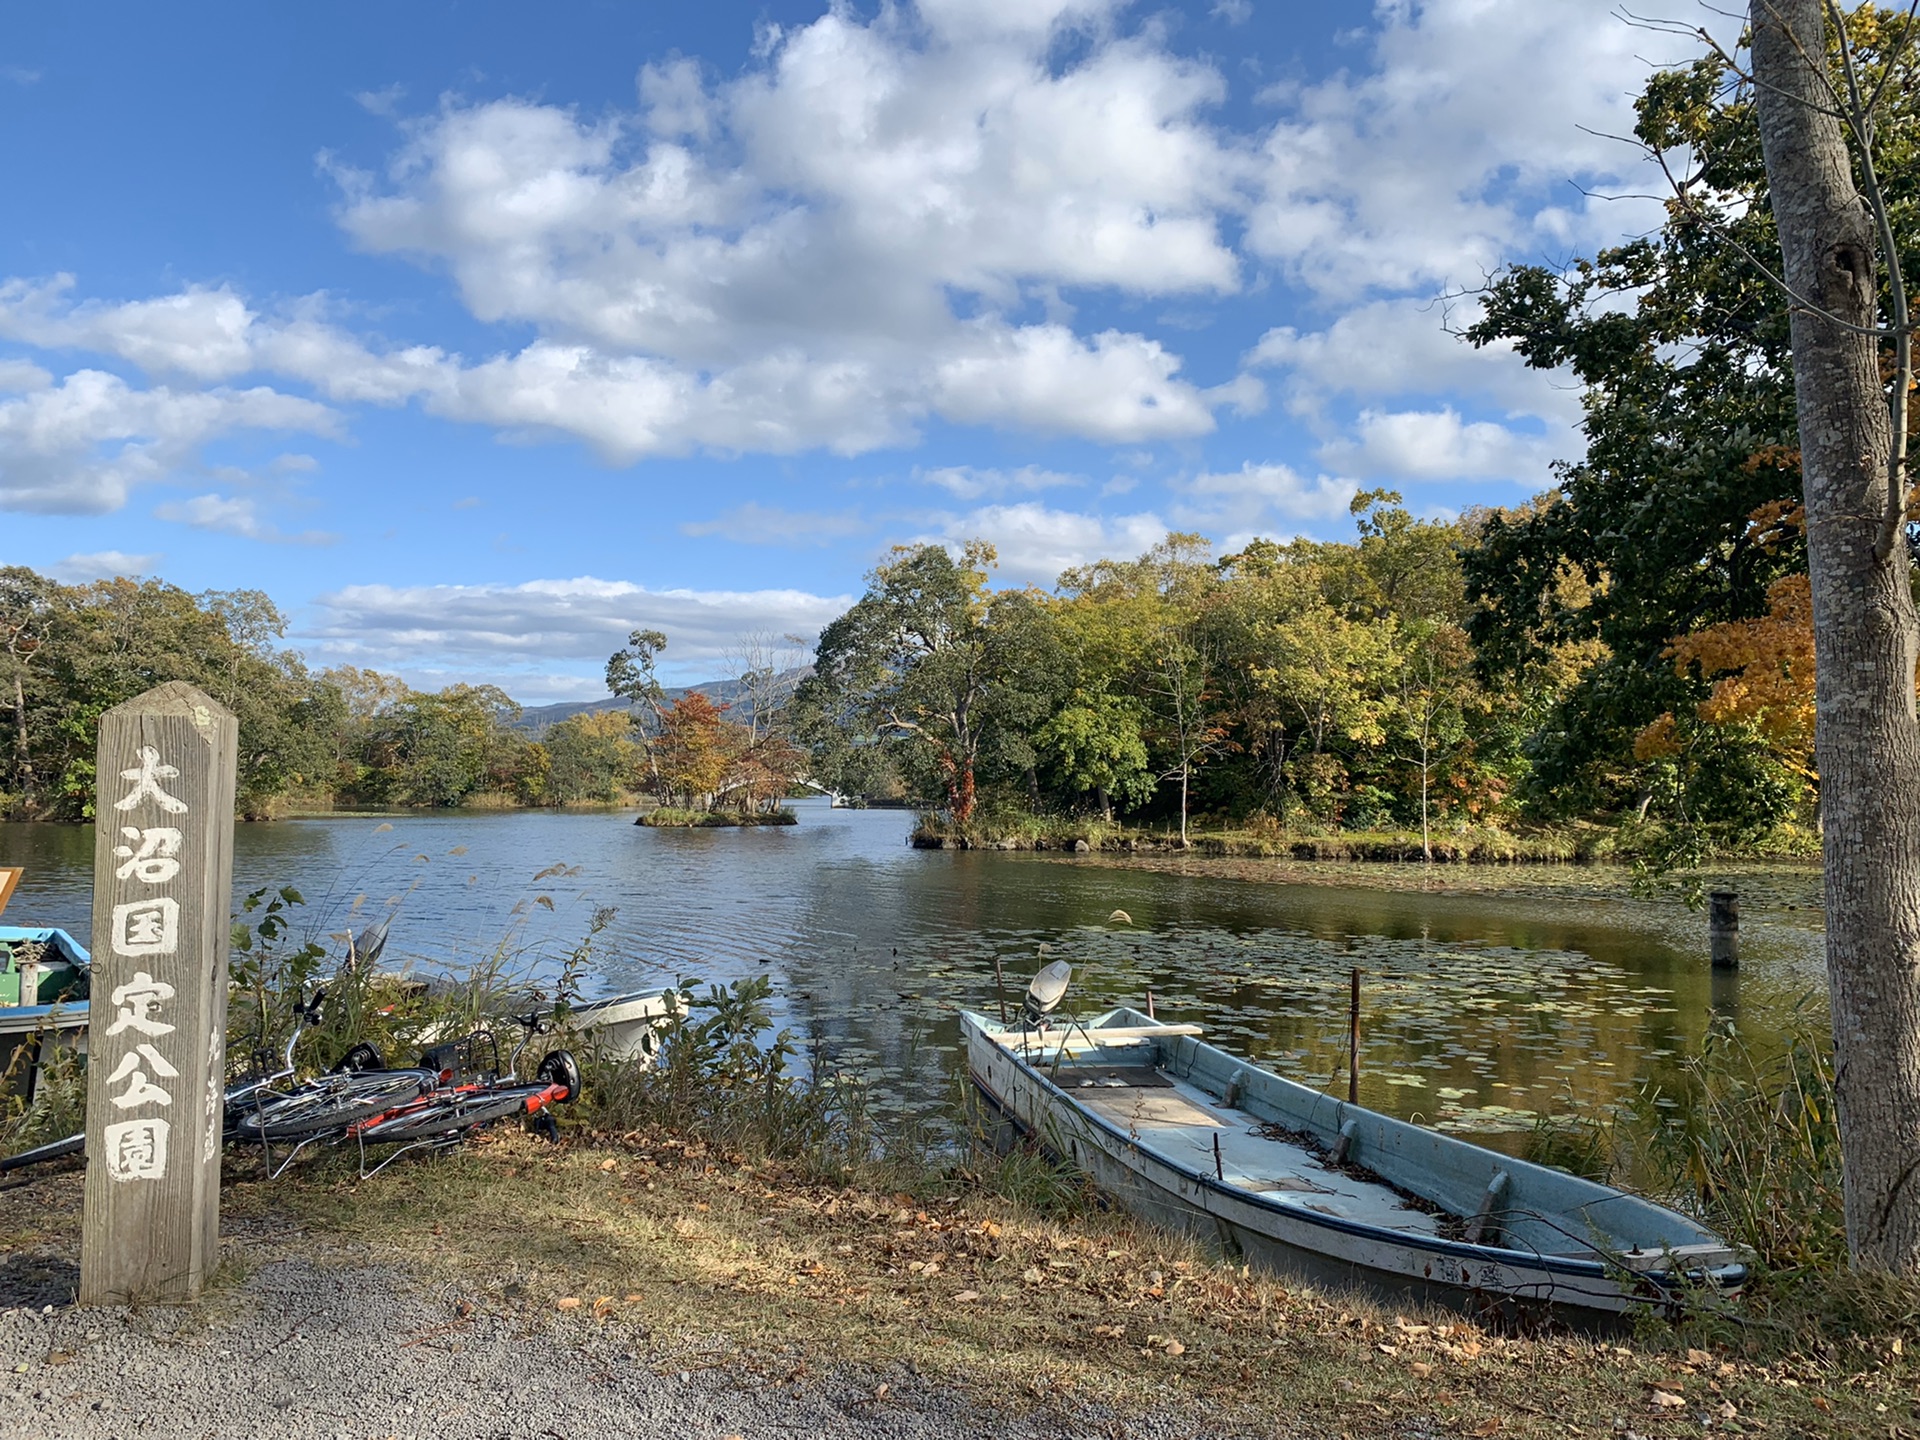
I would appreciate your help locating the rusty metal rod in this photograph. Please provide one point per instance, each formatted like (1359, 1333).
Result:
(1353, 1041)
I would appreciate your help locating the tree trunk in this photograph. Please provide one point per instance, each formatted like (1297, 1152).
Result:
(1426, 841)
(1866, 737)
(22, 756)
(1185, 771)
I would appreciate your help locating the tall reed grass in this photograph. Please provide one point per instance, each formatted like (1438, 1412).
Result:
(1749, 1141)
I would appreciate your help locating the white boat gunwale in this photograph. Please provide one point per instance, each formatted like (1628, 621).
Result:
(1726, 1276)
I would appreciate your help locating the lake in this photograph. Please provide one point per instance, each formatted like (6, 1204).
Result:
(1481, 1009)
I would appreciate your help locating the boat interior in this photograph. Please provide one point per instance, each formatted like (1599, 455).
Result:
(1203, 1110)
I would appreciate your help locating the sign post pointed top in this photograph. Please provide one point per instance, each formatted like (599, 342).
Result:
(175, 697)
(156, 1033)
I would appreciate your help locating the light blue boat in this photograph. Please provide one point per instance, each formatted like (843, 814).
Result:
(1287, 1178)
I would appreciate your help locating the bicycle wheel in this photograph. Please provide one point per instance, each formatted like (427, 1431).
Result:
(560, 1068)
(449, 1115)
(333, 1103)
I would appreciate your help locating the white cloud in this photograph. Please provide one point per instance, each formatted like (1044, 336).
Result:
(884, 224)
(827, 250)
(1418, 445)
(1259, 499)
(234, 515)
(1118, 388)
(757, 524)
(971, 483)
(78, 447)
(1458, 150)
(17, 377)
(103, 565)
(544, 622)
(1035, 543)
(1394, 349)
(198, 333)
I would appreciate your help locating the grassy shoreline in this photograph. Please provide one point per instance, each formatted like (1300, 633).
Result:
(673, 1240)
(1479, 846)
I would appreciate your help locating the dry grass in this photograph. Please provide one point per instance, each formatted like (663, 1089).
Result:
(968, 1289)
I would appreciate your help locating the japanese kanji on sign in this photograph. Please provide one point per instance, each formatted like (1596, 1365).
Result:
(162, 884)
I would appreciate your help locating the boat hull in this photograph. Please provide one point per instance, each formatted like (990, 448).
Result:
(32, 1034)
(1482, 1281)
(625, 1028)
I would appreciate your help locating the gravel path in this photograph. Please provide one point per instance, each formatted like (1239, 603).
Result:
(352, 1353)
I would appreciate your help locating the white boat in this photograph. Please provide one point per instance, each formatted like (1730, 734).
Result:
(1284, 1177)
(44, 974)
(626, 1027)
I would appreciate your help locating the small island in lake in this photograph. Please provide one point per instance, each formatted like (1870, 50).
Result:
(672, 818)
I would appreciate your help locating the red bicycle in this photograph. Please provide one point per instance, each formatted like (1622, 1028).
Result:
(443, 1116)
(436, 1109)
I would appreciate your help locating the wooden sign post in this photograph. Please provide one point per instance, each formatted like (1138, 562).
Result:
(156, 1037)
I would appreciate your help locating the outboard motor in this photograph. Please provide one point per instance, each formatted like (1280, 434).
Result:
(364, 949)
(1044, 995)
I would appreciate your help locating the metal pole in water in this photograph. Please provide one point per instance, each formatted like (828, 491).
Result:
(1150, 1014)
(1353, 1041)
(1219, 1170)
(1723, 929)
(1000, 988)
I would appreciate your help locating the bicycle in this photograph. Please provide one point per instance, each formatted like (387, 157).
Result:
(443, 1117)
(359, 1071)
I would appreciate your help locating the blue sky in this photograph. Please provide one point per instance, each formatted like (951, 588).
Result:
(478, 334)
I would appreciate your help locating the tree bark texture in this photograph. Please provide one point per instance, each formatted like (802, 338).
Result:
(1866, 738)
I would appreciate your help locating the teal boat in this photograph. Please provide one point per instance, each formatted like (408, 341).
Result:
(44, 975)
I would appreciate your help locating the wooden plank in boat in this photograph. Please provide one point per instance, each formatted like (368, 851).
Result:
(1076, 1077)
(1136, 1107)
(1281, 1184)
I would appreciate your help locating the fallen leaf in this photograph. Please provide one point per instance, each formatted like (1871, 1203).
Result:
(1489, 1426)
(633, 1299)
(609, 1164)
(567, 1302)
(1174, 1347)
(966, 1297)
(1667, 1400)
(1421, 1370)
(603, 1307)
(1726, 1410)
(1699, 1357)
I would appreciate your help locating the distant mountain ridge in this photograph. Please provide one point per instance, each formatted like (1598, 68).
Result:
(536, 720)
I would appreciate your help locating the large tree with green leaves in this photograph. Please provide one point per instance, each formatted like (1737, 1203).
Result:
(1682, 350)
(936, 667)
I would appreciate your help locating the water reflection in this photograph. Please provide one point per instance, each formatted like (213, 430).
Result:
(1480, 1011)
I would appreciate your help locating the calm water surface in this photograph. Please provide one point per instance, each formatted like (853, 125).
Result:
(1480, 1010)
